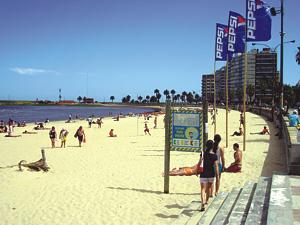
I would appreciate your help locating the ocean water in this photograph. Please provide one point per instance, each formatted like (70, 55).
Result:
(55, 113)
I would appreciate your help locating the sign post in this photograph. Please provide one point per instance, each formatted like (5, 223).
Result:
(167, 147)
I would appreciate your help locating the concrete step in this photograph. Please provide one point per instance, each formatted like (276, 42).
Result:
(280, 204)
(258, 211)
(240, 210)
(187, 213)
(197, 216)
(226, 208)
(295, 194)
(213, 209)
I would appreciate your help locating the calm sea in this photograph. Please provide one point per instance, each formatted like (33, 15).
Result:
(41, 113)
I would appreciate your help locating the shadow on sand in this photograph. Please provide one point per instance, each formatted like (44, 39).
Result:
(276, 157)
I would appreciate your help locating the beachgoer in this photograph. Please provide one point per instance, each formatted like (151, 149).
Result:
(70, 117)
(111, 133)
(117, 118)
(238, 133)
(63, 137)
(264, 131)
(52, 135)
(155, 122)
(80, 135)
(90, 121)
(294, 119)
(241, 119)
(298, 133)
(210, 171)
(146, 130)
(236, 166)
(10, 126)
(219, 151)
(99, 122)
(29, 132)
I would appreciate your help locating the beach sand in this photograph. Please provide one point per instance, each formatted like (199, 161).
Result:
(117, 180)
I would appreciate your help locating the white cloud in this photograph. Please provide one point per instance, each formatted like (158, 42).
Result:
(32, 71)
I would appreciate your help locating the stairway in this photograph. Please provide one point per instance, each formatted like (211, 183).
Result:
(270, 201)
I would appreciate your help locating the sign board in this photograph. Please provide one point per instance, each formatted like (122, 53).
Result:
(186, 133)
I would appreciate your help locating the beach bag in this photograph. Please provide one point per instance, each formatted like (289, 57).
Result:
(76, 134)
(200, 165)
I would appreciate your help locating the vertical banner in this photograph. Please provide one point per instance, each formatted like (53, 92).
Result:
(187, 131)
(221, 42)
(259, 21)
(236, 34)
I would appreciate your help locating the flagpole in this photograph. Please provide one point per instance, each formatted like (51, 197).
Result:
(215, 109)
(226, 94)
(245, 95)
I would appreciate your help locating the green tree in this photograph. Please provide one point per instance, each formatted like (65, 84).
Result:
(140, 98)
(166, 93)
(79, 98)
(112, 98)
(173, 92)
(148, 98)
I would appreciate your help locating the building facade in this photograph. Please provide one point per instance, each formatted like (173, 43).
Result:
(220, 84)
(208, 87)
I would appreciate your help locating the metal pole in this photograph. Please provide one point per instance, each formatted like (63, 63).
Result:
(281, 52)
(167, 148)
(226, 90)
(245, 96)
(215, 107)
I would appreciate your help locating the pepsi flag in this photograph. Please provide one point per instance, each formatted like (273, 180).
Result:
(236, 33)
(221, 42)
(258, 21)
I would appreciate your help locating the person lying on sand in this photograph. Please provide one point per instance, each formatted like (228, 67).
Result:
(11, 135)
(111, 133)
(184, 171)
(29, 132)
(264, 131)
(236, 166)
(238, 133)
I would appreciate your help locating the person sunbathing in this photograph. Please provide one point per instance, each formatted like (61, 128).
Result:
(184, 171)
(29, 132)
(236, 166)
(12, 135)
(238, 133)
(264, 131)
(111, 133)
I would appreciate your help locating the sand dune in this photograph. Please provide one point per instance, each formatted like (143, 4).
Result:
(115, 180)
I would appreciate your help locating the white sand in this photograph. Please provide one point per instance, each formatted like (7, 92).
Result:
(114, 180)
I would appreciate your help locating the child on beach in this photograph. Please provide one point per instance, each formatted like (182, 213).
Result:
(53, 136)
(236, 166)
(90, 121)
(147, 131)
(63, 137)
(111, 133)
(80, 135)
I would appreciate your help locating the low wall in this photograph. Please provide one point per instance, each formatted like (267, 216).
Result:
(289, 136)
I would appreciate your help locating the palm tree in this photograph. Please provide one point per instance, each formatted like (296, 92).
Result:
(250, 91)
(140, 98)
(197, 98)
(79, 98)
(173, 92)
(183, 96)
(153, 99)
(147, 98)
(168, 97)
(124, 100)
(175, 98)
(158, 96)
(112, 98)
(298, 56)
(156, 91)
(190, 97)
(166, 92)
(128, 98)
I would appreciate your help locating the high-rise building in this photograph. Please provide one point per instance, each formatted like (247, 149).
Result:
(208, 87)
(220, 84)
(265, 75)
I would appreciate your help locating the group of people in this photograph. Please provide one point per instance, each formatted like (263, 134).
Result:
(210, 166)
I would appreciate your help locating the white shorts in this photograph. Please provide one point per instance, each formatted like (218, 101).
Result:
(205, 180)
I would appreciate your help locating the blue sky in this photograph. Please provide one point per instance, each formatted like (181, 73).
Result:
(100, 48)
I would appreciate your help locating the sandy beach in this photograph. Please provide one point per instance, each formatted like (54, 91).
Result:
(117, 180)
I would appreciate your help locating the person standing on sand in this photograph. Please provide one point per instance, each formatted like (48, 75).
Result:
(155, 122)
(90, 121)
(80, 135)
(236, 166)
(99, 122)
(53, 136)
(210, 171)
(219, 151)
(241, 119)
(147, 131)
(63, 137)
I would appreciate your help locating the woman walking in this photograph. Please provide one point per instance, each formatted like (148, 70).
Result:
(52, 135)
(219, 151)
(210, 171)
(80, 135)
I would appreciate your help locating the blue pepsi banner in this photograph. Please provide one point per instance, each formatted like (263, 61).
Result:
(236, 33)
(221, 42)
(259, 21)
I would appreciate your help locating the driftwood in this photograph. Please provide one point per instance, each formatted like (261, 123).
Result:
(37, 166)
